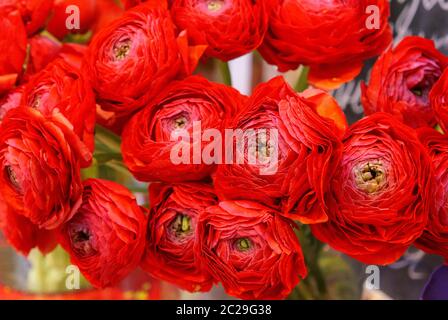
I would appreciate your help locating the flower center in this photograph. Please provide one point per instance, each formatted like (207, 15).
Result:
(122, 49)
(181, 225)
(243, 244)
(370, 177)
(215, 5)
(12, 177)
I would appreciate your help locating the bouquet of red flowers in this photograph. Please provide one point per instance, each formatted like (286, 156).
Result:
(116, 143)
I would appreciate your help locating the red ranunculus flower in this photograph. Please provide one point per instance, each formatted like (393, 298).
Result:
(87, 14)
(401, 80)
(24, 235)
(229, 28)
(439, 100)
(150, 142)
(172, 234)
(381, 193)
(63, 87)
(290, 174)
(106, 237)
(39, 162)
(252, 250)
(13, 48)
(332, 37)
(435, 237)
(133, 58)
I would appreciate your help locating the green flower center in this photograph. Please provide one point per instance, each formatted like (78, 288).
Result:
(181, 225)
(417, 91)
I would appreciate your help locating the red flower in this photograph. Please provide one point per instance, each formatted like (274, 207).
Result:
(380, 195)
(229, 28)
(39, 162)
(252, 250)
(13, 48)
(147, 140)
(401, 80)
(435, 237)
(291, 174)
(439, 100)
(87, 14)
(172, 234)
(106, 237)
(132, 59)
(334, 38)
(24, 235)
(60, 86)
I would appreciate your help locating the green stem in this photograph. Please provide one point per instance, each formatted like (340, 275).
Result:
(78, 38)
(312, 249)
(225, 72)
(317, 273)
(302, 82)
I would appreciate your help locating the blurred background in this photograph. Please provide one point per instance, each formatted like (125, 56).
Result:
(39, 277)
